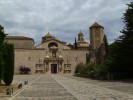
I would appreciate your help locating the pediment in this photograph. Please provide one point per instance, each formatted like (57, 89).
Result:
(54, 40)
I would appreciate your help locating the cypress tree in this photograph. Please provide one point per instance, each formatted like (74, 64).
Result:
(2, 36)
(8, 64)
(75, 44)
(105, 41)
(6, 59)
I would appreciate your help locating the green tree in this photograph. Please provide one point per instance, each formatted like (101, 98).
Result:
(8, 64)
(1, 63)
(123, 56)
(2, 36)
(75, 44)
(78, 67)
(6, 59)
(105, 41)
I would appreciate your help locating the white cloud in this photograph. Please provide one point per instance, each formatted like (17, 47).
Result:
(63, 18)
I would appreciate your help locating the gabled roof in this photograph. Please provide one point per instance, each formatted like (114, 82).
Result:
(55, 40)
(96, 25)
(52, 39)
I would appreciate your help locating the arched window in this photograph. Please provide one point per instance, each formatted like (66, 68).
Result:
(52, 44)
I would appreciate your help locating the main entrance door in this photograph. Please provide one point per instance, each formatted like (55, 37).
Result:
(54, 68)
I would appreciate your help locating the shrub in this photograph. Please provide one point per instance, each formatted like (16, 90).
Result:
(24, 70)
(85, 69)
(78, 68)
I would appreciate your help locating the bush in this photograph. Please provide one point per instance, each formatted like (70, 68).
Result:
(85, 69)
(95, 71)
(24, 70)
(107, 70)
(78, 68)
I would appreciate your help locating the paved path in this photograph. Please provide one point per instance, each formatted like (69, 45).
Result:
(44, 87)
(66, 87)
(86, 89)
(125, 86)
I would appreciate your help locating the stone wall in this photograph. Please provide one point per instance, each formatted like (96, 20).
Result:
(21, 42)
(29, 58)
(74, 57)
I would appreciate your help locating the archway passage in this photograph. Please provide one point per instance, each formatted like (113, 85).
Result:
(53, 68)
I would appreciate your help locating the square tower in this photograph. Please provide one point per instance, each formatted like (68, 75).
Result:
(96, 36)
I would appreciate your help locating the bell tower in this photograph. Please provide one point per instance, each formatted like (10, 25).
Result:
(96, 36)
(80, 36)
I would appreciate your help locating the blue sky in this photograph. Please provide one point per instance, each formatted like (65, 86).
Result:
(62, 18)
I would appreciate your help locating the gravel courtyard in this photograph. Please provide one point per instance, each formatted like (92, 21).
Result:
(68, 87)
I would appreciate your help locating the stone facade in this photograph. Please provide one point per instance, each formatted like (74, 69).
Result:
(20, 42)
(97, 49)
(96, 36)
(52, 55)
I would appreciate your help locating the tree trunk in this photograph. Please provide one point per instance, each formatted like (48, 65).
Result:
(0, 82)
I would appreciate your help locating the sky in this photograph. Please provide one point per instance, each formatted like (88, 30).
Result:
(62, 18)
